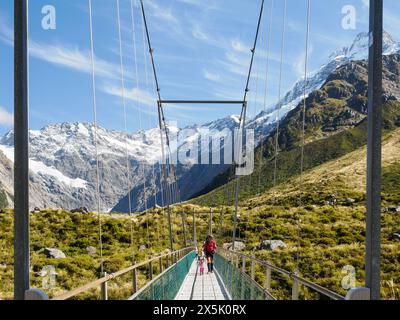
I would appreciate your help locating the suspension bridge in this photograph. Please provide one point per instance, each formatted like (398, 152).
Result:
(174, 275)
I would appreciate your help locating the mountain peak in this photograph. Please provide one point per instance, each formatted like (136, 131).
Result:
(358, 50)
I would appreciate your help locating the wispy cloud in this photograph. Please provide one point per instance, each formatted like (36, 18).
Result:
(299, 64)
(211, 76)
(199, 34)
(206, 5)
(139, 96)
(6, 118)
(70, 57)
(161, 12)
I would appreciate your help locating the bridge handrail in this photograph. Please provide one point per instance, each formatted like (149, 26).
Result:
(105, 279)
(149, 284)
(316, 287)
(243, 275)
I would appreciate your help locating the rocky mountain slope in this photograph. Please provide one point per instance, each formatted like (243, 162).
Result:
(63, 155)
(335, 125)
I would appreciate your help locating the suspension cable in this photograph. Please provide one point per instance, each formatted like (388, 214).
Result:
(242, 123)
(128, 176)
(161, 125)
(271, 9)
(303, 129)
(143, 164)
(94, 110)
(163, 203)
(279, 95)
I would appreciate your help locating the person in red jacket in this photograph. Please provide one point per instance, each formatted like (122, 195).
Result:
(209, 248)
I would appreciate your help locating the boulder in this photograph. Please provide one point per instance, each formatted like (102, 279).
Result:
(91, 250)
(272, 245)
(54, 253)
(394, 237)
(238, 245)
(391, 209)
(82, 210)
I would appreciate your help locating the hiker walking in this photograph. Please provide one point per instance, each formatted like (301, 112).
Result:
(209, 248)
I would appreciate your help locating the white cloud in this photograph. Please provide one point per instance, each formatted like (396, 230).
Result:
(206, 5)
(6, 118)
(239, 46)
(199, 34)
(63, 55)
(133, 94)
(299, 64)
(365, 3)
(211, 76)
(162, 13)
(72, 58)
(6, 34)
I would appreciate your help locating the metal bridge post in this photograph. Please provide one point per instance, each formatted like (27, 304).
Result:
(21, 143)
(104, 288)
(184, 230)
(374, 151)
(268, 279)
(242, 291)
(252, 275)
(134, 280)
(253, 268)
(295, 288)
(161, 265)
(151, 270)
(220, 226)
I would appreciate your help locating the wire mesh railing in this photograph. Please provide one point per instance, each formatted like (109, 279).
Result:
(167, 284)
(229, 262)
(172, 260)
(239, 284)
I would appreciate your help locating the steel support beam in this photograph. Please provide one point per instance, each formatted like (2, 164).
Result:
(21, 164)
(374, 152)
(201, 102)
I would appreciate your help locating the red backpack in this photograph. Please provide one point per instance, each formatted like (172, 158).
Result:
(210, 246)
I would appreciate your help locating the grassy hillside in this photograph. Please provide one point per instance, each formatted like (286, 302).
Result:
(327, 231)
(74, 232)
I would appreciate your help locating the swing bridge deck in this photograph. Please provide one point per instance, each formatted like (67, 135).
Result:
(181, 280)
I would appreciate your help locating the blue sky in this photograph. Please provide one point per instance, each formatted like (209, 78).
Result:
(202, 50)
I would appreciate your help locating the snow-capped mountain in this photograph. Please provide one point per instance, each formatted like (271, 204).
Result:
(63, 163)
(358, 50)
(63, 156)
